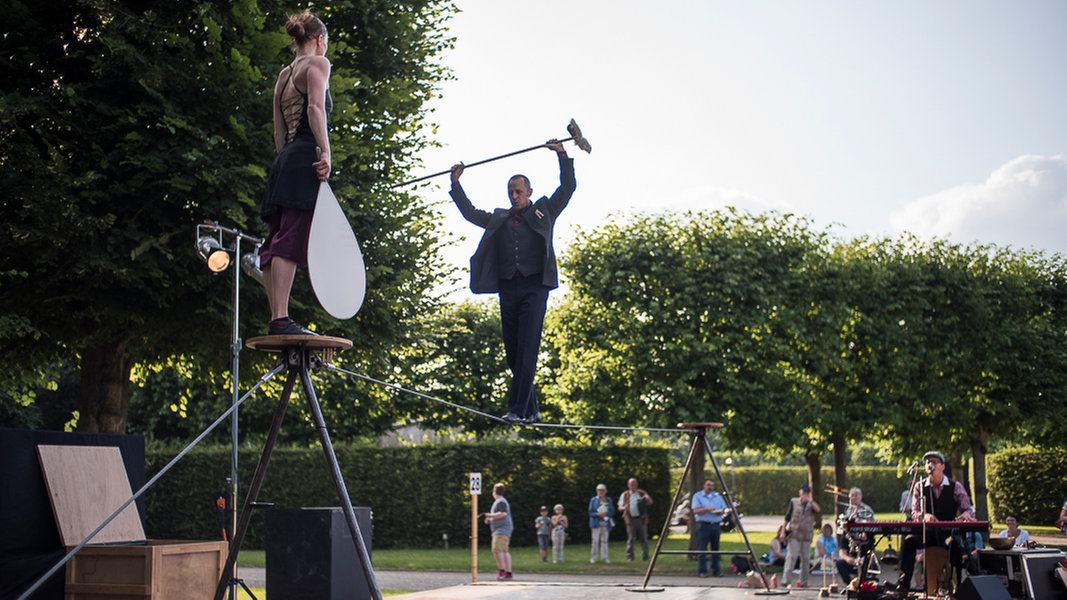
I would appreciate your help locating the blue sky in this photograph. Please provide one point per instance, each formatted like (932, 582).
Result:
(944, 118)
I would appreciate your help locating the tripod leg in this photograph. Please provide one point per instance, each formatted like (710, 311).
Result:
(339, 482)
(245, 588)
(693, 451)
(253, 489)
(753, 558)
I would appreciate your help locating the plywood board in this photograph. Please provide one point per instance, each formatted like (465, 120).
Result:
(85, 485)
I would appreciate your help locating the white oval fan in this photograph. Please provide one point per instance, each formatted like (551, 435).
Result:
(335, 262)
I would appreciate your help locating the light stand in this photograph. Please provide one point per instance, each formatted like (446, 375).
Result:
(208, 251)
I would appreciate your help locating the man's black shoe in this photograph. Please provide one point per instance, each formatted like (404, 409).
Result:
(512, 418)
(287, 327)
(534, 418)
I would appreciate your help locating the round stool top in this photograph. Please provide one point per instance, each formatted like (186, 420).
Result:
(281, 342)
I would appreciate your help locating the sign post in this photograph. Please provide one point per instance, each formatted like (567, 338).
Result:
(476, 490)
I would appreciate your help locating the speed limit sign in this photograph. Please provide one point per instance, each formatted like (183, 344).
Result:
(476, 484)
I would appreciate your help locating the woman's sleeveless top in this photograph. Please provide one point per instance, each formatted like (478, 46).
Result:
(295, 111)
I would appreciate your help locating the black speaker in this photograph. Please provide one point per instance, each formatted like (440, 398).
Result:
(1039, 575)
(311, 556)
(982, 587)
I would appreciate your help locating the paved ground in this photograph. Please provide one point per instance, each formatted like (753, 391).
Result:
(448, 585)
(456, 585)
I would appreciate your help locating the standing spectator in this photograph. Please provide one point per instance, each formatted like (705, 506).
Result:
(800, 526)
(1062, 521)
(601, 520)
(905, 501)
(634, 505)
(543, 525)
(1022, 536)
(559, 532)
(499, 520)
(708, 509)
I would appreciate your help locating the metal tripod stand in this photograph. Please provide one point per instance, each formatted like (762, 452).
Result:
(701, 444)
(299, 355)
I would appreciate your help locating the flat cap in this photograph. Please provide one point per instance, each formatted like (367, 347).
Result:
(934, 454)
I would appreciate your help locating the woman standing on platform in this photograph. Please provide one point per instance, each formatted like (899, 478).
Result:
(301, 105)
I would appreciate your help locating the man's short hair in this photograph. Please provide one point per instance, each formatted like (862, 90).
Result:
(499, 489)
(855, 490)
(524, 178)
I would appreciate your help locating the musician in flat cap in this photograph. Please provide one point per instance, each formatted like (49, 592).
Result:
(934, 498)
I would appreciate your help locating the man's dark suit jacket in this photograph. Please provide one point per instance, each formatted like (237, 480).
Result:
(541, 218)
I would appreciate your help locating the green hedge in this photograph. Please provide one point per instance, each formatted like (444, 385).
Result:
(767, 490)
(415, 494)
(1028, 481)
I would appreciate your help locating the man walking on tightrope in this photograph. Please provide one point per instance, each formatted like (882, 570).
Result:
(516, 260)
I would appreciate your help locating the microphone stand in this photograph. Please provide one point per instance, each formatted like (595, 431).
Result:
(913, 471)
(926, 563)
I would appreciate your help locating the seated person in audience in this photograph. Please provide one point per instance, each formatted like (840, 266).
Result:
(973, 542)
(1022, 536)
(776, 554)
(1062, 521)
(825, 549)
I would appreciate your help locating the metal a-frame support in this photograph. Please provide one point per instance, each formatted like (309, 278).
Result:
(301, 355)
(701, 444)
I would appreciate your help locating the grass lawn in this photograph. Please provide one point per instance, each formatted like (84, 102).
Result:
(527, 559)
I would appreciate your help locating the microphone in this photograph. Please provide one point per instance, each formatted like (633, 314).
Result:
(911, 469)
(930, 468)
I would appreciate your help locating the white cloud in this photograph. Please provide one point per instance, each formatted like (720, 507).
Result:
(1022, 204)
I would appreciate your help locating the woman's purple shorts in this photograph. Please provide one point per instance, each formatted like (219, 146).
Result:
(287, 236)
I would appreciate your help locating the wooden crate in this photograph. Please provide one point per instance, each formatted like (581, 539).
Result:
(158, 570)
(85, 486)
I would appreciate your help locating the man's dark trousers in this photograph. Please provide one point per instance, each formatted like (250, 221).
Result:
(934, 537)
(708, 533)
(523, 301)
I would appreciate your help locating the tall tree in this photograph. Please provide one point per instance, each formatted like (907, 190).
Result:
(803, 343)
(686, 317)
(123, 124)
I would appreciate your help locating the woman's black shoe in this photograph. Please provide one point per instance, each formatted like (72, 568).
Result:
(287, 326)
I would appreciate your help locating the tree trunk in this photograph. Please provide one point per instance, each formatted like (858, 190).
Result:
(840, 462)
(104, 397)
(815, 475)
(978, 474)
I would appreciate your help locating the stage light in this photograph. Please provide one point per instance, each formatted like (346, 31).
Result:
(250, 265)
(218, 257)
(211, 251)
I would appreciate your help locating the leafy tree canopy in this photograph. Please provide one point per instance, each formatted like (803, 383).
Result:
(123, 124)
